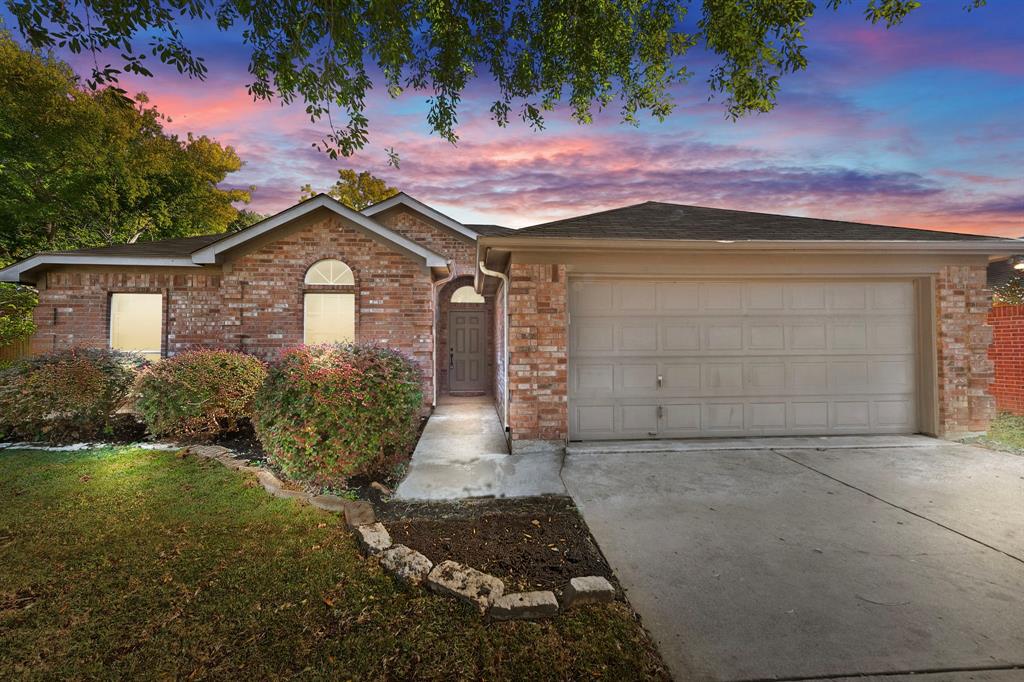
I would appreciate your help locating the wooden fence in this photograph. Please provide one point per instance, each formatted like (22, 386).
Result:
(13, 351)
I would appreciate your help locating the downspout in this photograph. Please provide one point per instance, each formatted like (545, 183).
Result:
(437, 313)
(504, 291)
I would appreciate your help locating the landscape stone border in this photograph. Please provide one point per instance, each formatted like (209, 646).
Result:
(484, 591)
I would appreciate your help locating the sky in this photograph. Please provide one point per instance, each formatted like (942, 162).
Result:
(921, 125)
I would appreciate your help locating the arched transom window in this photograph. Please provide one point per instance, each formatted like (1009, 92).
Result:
(330, 271)
(329, 316)
(466, 294)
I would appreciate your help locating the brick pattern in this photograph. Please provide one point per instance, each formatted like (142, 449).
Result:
(254, 301)
(445, 306)
(538, 349)
(963, 338)
(459, 248)
(1007, 354)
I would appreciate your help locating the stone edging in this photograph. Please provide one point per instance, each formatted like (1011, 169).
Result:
(412, 568)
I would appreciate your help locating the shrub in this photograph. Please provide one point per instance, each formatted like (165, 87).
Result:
(199, 393)
(330, 412)
(66, 395)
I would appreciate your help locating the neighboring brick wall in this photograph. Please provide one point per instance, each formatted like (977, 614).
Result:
(538, 348)
(445, 306)
(963, 337)
(1007, 354)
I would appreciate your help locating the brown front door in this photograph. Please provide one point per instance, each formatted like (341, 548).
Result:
(467, 352)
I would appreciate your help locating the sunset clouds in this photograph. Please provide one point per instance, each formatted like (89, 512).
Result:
(921, 125)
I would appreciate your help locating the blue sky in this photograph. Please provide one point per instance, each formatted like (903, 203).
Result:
(920, 125)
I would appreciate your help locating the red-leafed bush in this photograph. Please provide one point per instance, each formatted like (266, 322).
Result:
(199, 393)
(330, 412)
(67, 395)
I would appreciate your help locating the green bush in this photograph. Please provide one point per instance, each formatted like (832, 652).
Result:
(330, 412)
(66, 395)
(199, 393)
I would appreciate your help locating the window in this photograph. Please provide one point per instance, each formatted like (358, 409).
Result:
(466, 294)
(135, 323)
(329, 316)
(330, 272)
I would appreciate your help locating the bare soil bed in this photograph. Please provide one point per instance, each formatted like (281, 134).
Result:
(531, 544)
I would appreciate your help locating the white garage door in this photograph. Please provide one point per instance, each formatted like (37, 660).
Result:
(660, 359)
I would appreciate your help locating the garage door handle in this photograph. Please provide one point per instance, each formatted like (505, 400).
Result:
(659, 381)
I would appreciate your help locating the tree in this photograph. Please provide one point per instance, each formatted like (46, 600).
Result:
(537, 52)
(244, 219)
(16, 304)
(89, 168)
(355, 190)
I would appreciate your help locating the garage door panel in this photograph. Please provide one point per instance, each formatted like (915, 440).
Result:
(673, 359)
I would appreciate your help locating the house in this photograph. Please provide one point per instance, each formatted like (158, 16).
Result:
(649, 321)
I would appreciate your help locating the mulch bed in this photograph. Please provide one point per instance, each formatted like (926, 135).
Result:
(531, 544)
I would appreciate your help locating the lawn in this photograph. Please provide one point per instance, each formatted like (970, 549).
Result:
(1006, 432)
(131, 563)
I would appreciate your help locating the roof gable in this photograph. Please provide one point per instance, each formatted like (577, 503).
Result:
(403, 199)
(211, 253)
(209, 249)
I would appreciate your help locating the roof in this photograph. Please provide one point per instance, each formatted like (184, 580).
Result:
(1002, 271)
(403, 199)
(491, 230)
(207, 249)
(181, 247)
(658, 220)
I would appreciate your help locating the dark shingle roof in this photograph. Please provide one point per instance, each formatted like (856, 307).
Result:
(490, 230)
(181, 247)
(657, 220)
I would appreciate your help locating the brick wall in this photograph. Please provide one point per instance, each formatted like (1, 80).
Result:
(1007, 354)
(437, 238)
(963, 337)
(254, 301)
(538, 349)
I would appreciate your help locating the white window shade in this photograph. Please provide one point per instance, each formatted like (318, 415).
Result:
(136, 322)
(329, 318)
(466, 294)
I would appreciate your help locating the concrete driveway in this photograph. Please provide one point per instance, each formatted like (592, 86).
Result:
(816, 558)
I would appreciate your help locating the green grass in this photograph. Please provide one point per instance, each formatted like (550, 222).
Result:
(1007, 430)
(132, 563)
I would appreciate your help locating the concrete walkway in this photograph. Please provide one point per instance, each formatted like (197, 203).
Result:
(462, 453)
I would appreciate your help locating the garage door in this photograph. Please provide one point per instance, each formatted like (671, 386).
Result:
(661, 359)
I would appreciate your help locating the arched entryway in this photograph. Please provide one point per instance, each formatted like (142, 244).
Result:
(465, 340)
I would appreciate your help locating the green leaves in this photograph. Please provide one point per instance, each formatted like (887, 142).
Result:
(93, 168)
(355, 190)
(537, 53)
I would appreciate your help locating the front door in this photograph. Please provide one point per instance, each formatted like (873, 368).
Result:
(467, 353)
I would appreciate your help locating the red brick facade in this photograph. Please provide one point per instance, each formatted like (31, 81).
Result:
(254, 300)
(1007, 354)
(538, 352)
(962, 339)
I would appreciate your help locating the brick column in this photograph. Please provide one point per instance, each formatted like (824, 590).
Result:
(963, 338)
(538, 354)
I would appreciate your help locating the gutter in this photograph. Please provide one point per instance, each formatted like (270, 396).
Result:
(504, 294)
